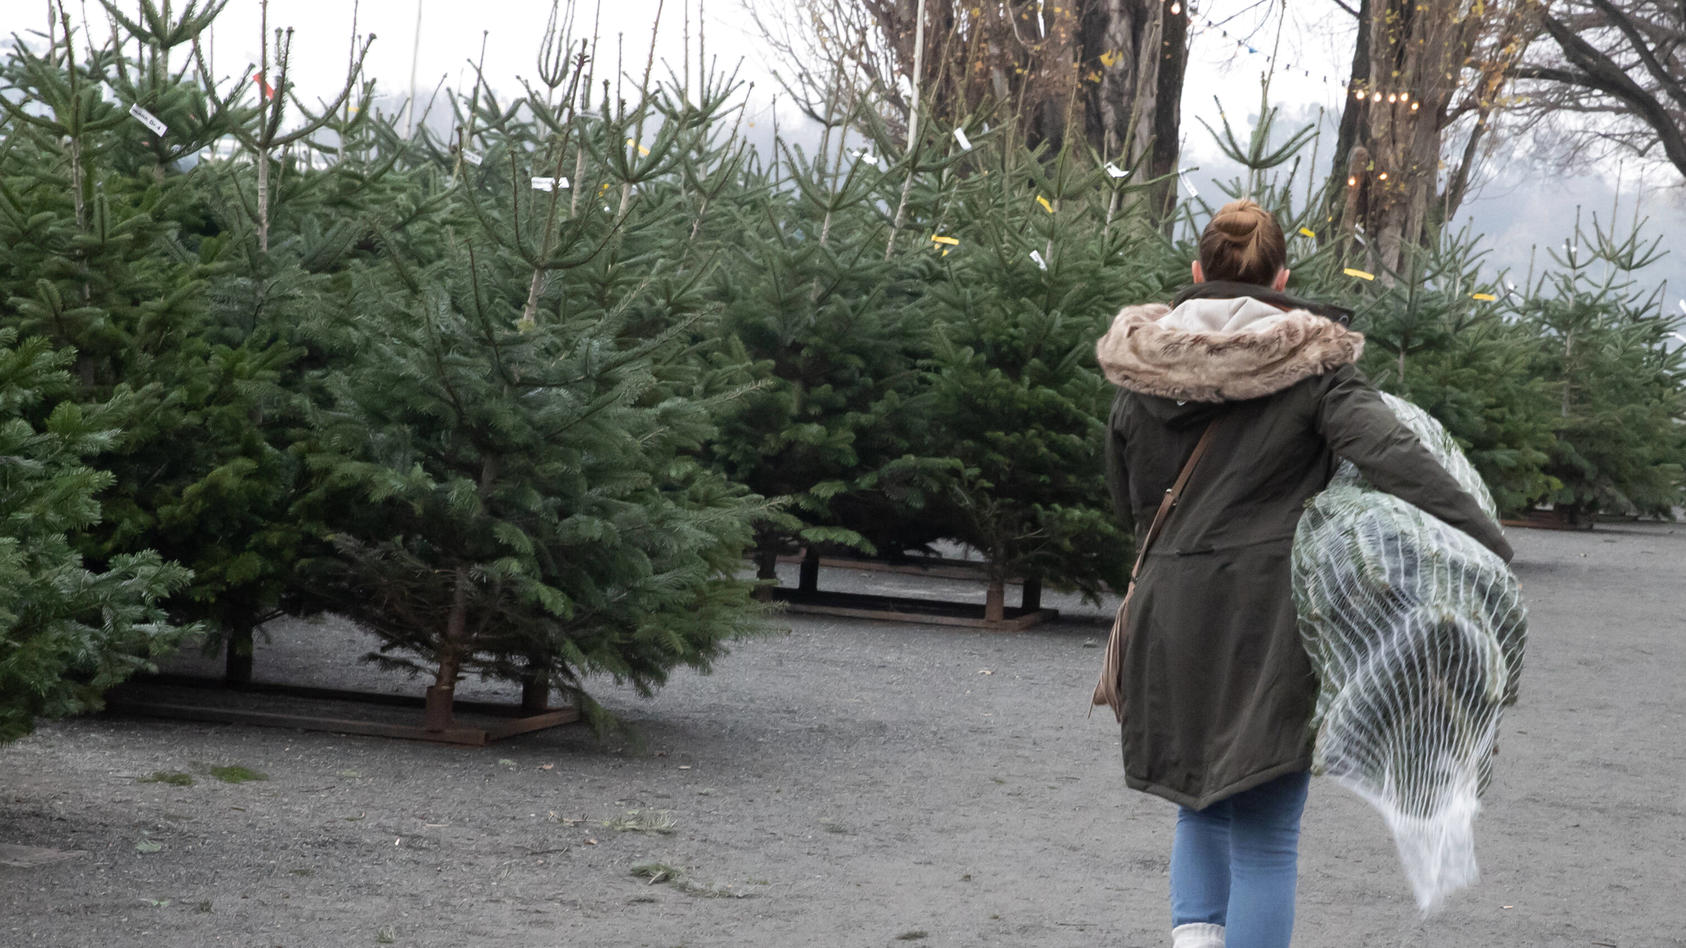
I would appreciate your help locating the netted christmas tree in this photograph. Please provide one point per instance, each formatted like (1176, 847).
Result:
(1417, 633)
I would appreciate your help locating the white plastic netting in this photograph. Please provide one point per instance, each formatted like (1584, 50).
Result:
(1416, 632)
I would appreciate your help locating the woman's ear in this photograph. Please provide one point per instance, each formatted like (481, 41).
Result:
(1280, 283)
(1199, 274)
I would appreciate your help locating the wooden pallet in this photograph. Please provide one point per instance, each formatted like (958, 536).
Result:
(1544, 520)
(934, 567)
(907, 609)
(185, 698)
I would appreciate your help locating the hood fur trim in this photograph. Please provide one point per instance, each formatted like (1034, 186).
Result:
(1149, 350)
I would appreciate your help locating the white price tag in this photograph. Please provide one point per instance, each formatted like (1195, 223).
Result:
(549, 184)
(1113, 171)
(960, 136)
(472, 157)
(1036, 255)
(148, 119)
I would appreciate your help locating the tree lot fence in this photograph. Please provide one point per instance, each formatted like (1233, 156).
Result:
(520, 399)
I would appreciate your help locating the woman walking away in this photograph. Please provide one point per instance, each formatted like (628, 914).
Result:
(1217, 691)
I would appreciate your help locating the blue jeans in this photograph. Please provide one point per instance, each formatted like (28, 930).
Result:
(1236, 863)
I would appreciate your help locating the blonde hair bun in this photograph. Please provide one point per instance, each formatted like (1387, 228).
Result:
(1243, 243)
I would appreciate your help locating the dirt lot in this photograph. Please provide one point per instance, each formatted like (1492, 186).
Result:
(845, 783)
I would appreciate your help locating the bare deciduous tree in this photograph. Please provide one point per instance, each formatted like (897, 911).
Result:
(1105, 72)
(1609, 76)
(1426, 82)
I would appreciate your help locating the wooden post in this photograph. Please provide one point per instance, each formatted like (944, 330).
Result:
(808, 580)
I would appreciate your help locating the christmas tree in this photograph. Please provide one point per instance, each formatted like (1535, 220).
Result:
(509, 453)
(67, 632)
(1608, 356)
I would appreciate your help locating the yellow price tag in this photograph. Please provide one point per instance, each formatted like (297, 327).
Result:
(641, 149)
(1045, 205)
(1359, 274)
(940, 239)
(1483, 297)
(1308, 232)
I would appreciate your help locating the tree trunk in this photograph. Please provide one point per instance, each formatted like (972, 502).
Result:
(766, 570)
(1413, 51)
(808, 580)
(442, 693)
(237, 666)
(1346, 174)
(535, 690)
(1052, 103)
(1032, 594)
(1139, 51)
(995, 601)
(1166, 120)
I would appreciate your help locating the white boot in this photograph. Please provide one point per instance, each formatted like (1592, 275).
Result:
(1197, 935)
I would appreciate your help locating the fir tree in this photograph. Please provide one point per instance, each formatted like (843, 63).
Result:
(67, 632)
(123, 265)
(1036, 269)
(1443, 341)
(1608, 357)
(509, 456)
(828, 327)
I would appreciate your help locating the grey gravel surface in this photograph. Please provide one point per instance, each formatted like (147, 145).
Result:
(843, 783)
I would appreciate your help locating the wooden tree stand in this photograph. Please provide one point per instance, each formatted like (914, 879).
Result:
(186, 698)
(993, 614)
(1546, 520)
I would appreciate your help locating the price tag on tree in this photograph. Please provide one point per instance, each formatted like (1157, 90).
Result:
(148, 119)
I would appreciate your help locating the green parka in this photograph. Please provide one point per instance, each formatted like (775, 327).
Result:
(1218, 690)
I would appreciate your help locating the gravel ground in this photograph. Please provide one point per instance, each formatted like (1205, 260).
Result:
(843, 783)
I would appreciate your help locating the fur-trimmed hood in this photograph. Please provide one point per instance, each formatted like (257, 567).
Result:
(1221, 350)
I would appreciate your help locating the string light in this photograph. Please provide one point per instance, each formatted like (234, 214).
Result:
(1363, 95)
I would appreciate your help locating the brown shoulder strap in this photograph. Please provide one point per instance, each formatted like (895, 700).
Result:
(1169, 501)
